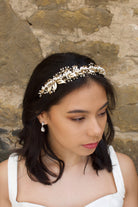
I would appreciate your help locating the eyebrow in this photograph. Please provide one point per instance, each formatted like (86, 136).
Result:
(84, 111)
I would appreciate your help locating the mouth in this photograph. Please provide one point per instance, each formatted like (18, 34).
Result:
(91, 145)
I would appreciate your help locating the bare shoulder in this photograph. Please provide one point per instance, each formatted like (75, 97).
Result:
(127, 165)
(4, 194)
(4, 172)
(130, 176)
(130, 180)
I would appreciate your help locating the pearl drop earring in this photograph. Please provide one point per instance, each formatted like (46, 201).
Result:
(42, 127)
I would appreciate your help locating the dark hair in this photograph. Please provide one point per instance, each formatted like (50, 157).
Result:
(34, 141)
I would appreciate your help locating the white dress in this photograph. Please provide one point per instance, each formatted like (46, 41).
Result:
(111, 200)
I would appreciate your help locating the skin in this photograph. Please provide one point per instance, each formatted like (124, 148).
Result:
(78, 119)
(80, 124)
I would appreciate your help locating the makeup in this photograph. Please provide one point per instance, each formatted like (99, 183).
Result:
(90, 145)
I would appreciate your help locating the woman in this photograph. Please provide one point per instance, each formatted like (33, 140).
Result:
(66, 159)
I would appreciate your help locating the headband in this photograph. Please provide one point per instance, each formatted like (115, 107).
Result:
(67, 74)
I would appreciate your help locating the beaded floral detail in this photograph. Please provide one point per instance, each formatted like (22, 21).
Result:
(68, 74)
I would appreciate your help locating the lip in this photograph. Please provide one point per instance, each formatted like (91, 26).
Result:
(90, 145)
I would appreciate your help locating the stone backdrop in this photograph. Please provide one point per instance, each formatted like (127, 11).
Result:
(105, 30)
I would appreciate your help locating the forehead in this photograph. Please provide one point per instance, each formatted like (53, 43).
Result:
(89, 95)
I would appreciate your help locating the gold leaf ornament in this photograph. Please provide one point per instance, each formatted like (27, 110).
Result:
(68, 74)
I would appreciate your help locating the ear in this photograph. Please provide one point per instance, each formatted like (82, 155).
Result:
(43, 117)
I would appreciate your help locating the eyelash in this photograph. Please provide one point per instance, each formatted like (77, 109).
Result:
(82, 118)
(78, 119)
(102, 114)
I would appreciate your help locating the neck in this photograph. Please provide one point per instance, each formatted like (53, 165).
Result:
(69, 158)
(73, 161)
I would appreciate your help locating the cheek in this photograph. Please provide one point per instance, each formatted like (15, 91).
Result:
(59, 126)
(102, 122)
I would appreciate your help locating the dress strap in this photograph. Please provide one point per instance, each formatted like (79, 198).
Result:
(117, 174)
(12, 177)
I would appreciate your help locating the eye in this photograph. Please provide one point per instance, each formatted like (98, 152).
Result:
(102, 114)
(78, 119)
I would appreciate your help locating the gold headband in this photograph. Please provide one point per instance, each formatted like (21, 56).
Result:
(68, 74)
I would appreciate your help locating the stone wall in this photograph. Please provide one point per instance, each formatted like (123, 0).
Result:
(105, 30)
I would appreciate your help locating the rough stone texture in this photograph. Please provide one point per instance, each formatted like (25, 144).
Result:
(125, 117)
(10, 105)
(23, 9)
(104, 30)
(128, 147)
(135, 11)
(53, 4)
(103, 53)
(17, 47)
(57, 21)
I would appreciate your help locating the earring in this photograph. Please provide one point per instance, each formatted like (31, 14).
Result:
(42, 127)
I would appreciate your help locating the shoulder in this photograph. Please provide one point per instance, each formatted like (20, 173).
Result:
(127, 165)
(130, 179)
(4, 194)
(129, 174)
(4, 171)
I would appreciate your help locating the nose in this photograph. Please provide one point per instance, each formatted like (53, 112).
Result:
(94, 129)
